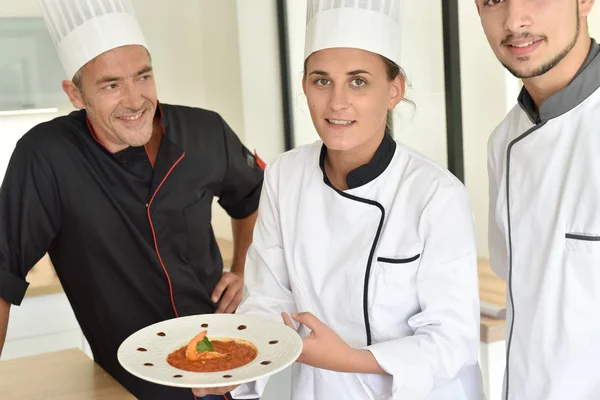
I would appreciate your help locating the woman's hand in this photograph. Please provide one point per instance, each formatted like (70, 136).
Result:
(322, 347)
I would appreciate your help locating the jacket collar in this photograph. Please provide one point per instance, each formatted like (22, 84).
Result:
(585, 82)
(169, 153)
(368, 172)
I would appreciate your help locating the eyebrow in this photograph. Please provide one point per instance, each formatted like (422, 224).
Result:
(106, 79)
(358, 72)
(350, 73)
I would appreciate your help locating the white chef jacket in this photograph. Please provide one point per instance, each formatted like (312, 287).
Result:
(544, 238)
(389, 264)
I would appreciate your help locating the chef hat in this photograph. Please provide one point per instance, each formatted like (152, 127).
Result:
(372, 25)
(84, 29)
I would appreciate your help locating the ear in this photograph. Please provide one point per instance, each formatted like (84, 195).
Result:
(304, 83)
(397, 90)
(585, 7)
(74, 94)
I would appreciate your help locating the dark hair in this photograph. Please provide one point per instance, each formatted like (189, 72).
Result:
(77, 79)
(393, 70)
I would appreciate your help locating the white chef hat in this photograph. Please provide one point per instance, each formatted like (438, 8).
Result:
(372, 25)
(84, 29)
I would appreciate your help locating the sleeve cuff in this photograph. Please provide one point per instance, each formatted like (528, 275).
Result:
(410, 374)
(247, 206)
(12, 288)
(252, 390)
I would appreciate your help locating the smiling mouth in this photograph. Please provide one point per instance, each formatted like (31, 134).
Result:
(523, 45)
(339, 122)
(132, 117)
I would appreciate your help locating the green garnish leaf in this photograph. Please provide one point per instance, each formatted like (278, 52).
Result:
(204, 345)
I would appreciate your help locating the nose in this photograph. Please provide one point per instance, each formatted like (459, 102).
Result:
(339, 99)
(518, 16)
(132, 97)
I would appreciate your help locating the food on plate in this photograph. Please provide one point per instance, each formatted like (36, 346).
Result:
(204, 355)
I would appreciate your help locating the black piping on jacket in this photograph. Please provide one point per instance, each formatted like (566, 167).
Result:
(360, 176)
(510, 252)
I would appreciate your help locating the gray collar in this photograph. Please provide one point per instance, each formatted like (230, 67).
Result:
(585, 82)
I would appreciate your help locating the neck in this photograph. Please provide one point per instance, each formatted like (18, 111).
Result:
(154, 143)
(339, 163)
(109, 145)
(112, 147)
(542, 87)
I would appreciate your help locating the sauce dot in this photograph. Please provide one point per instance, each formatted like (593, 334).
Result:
(162, 334)
(241, 327)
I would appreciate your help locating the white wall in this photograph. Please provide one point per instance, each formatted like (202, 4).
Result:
(218, 55)
(220, 73)
(304, 131)
(484, 105)
(424, 127)
(594, 22)
(174, 37)
(13, 127)
(261, 77)
(240, 57)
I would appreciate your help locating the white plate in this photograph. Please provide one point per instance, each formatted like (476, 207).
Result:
(278, 347)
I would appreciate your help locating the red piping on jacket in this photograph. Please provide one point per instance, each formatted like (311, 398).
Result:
(154, 233)
(162, 264)
(89, 125)
(261, 164)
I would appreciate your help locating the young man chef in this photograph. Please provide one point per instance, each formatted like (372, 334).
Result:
(119, 193)
(544, 173)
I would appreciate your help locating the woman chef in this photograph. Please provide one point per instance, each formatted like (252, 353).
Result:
(368, 245)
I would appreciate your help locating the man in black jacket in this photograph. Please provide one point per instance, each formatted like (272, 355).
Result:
(119, 194)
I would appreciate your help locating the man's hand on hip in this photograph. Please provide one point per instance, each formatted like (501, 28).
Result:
(228, 292)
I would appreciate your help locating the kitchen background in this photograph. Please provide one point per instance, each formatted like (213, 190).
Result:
(225, 55)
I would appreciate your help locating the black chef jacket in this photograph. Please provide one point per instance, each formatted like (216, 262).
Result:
(132, 245)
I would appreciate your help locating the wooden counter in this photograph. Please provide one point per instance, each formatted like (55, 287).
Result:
(43, 280)
(493, 290)
(63, 375)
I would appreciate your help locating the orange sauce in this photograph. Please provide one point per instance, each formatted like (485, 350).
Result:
(236, 355)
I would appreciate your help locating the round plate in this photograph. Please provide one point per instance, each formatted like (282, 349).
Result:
(144, 353)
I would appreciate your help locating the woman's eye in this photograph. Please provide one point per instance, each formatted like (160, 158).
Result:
(321, 82)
